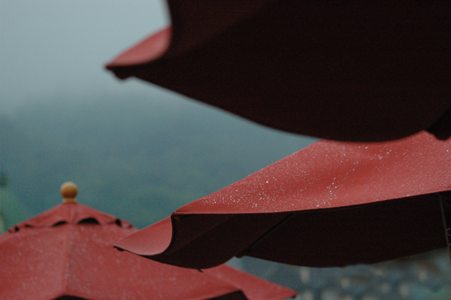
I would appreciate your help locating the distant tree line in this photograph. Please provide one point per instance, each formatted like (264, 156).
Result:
(137, 158)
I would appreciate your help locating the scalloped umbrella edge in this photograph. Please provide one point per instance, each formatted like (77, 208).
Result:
(329, 204)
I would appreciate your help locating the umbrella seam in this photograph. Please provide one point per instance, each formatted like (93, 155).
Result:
(65, 268)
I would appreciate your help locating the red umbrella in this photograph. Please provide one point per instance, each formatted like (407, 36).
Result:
(330, 204)
(67, 253)
(366, 71)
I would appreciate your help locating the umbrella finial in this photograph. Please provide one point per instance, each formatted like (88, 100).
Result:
(69, 192)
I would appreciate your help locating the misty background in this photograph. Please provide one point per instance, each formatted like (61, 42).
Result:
(135, 150)
(59, 47)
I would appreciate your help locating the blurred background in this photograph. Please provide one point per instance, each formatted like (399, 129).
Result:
(140, 152)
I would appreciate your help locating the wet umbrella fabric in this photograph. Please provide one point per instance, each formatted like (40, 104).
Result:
(364, 71)
(329, 204)
(67, 253)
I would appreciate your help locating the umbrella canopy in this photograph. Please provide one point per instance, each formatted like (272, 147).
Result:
(330, 204)
(67, 253)
(364, 71)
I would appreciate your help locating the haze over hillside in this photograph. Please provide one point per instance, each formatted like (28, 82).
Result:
(135, 157)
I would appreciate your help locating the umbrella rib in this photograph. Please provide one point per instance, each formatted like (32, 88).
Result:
(265, 235)
(445, 205)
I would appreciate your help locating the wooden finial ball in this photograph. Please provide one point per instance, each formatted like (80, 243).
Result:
(69, 192)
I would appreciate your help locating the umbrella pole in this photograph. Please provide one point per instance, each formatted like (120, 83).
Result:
(445, 202)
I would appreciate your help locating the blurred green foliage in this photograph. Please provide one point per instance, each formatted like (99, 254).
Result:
(137, 158)
(11, 210)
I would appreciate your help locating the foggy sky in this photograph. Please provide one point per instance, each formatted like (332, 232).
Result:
(50, 47)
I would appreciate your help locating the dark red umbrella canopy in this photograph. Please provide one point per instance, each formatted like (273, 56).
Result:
(363, 71)
(330, 204)
(67, 253)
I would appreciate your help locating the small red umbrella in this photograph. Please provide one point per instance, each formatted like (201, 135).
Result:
(364, 71)
(67, 253)
(330, 204)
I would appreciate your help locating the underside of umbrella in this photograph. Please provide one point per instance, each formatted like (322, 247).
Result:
(330, 204)
(364, 71)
